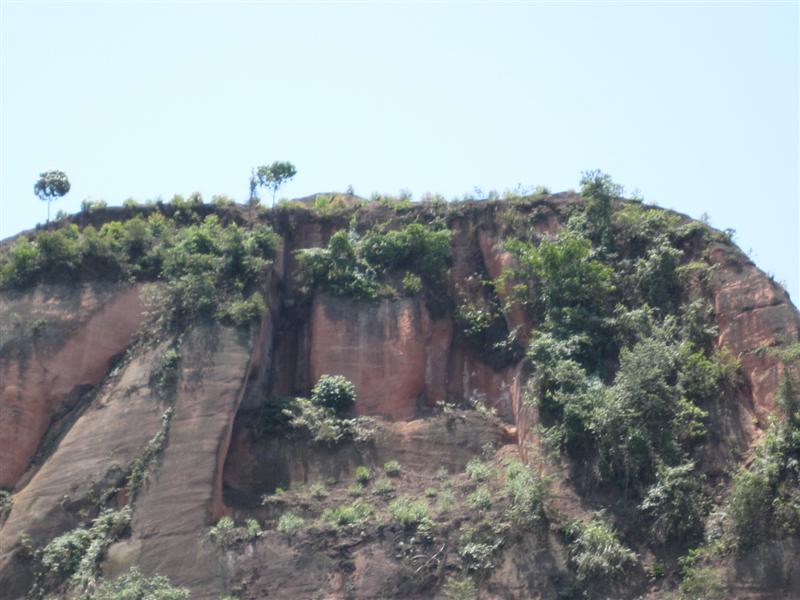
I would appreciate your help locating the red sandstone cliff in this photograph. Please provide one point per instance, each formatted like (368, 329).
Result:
(60, 448)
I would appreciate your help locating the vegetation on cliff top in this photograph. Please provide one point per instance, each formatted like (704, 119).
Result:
(620, 364)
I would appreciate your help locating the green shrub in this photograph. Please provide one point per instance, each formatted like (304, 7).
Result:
(412, 283)
(703, 583)
(410, 513)
(324, 426)
(596, 552)
(445, 501)
(224, 533)
(252, 528)
(135, 586)
(363, 475)
(526, 491)
(334, 392)
(244, 311)
(318, 491)
(140, 468)
(290, 522)
(460, 588)
(763, 501)
(392, 468)
(22, 265)
(431, 492)
(676, 504)
(383, 487)
(478, 470)
(88, 205)
(77, 554)
(480, 499)
(478, 546)
(357, 512)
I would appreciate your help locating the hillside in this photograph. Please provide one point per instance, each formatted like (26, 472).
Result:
(552, 396)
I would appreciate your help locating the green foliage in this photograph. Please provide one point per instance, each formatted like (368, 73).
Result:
(479, 546)
(318, 491)
(140, 468)
(596, 552)
(334, 392)
(480, 499)
(363, 475)
(51, 185)
(526, 491)
(224, 533)
(21, 266)
(412, 283)
(574, 289)
(273, 176)
(135, 586)
(392, 468)
(383, 487)
(460, 588)
(351, 267)
(706, 583)
(290, 522)
(764, 500)
(324, 426)
(599, 191)
(209, 270)
(478, 470)
(676, 504)
(77, 554)
(348, 514)
(88, 205)
(166, 376)
(410, 513)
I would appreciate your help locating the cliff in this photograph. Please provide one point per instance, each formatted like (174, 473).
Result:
(124, 395)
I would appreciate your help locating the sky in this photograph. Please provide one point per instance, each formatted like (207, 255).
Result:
(694, 104)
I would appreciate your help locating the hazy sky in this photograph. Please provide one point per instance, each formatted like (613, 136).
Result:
(695, 104)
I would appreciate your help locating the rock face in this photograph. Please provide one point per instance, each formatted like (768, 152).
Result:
(382, 347)
(70, 429)
(44, 378)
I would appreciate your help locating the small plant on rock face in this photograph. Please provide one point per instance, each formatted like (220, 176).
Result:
(410, 513)
(478, 470)
(596, 552)
(290, 522)
(224, 532)
(383, 487)
(357, 512)
(460, 588)
(363, 475)
(356, 490)
(318, 491)
(445, 501)
(480, 499)
(442, 473)
(135, 586)
(392, 468)
(334, 392)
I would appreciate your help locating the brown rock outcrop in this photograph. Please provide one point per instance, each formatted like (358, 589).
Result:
(382, 347)
(44, 379)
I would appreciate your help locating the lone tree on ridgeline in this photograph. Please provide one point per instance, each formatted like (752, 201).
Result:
(51, 185)
(272, 177)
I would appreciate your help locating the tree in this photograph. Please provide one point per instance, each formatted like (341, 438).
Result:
(273, 176)
(51, 185)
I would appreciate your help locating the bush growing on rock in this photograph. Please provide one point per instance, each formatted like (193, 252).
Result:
(135, 586)
(596, 552)
(334, 392)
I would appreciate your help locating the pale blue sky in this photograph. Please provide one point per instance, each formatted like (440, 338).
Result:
(695, 104)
